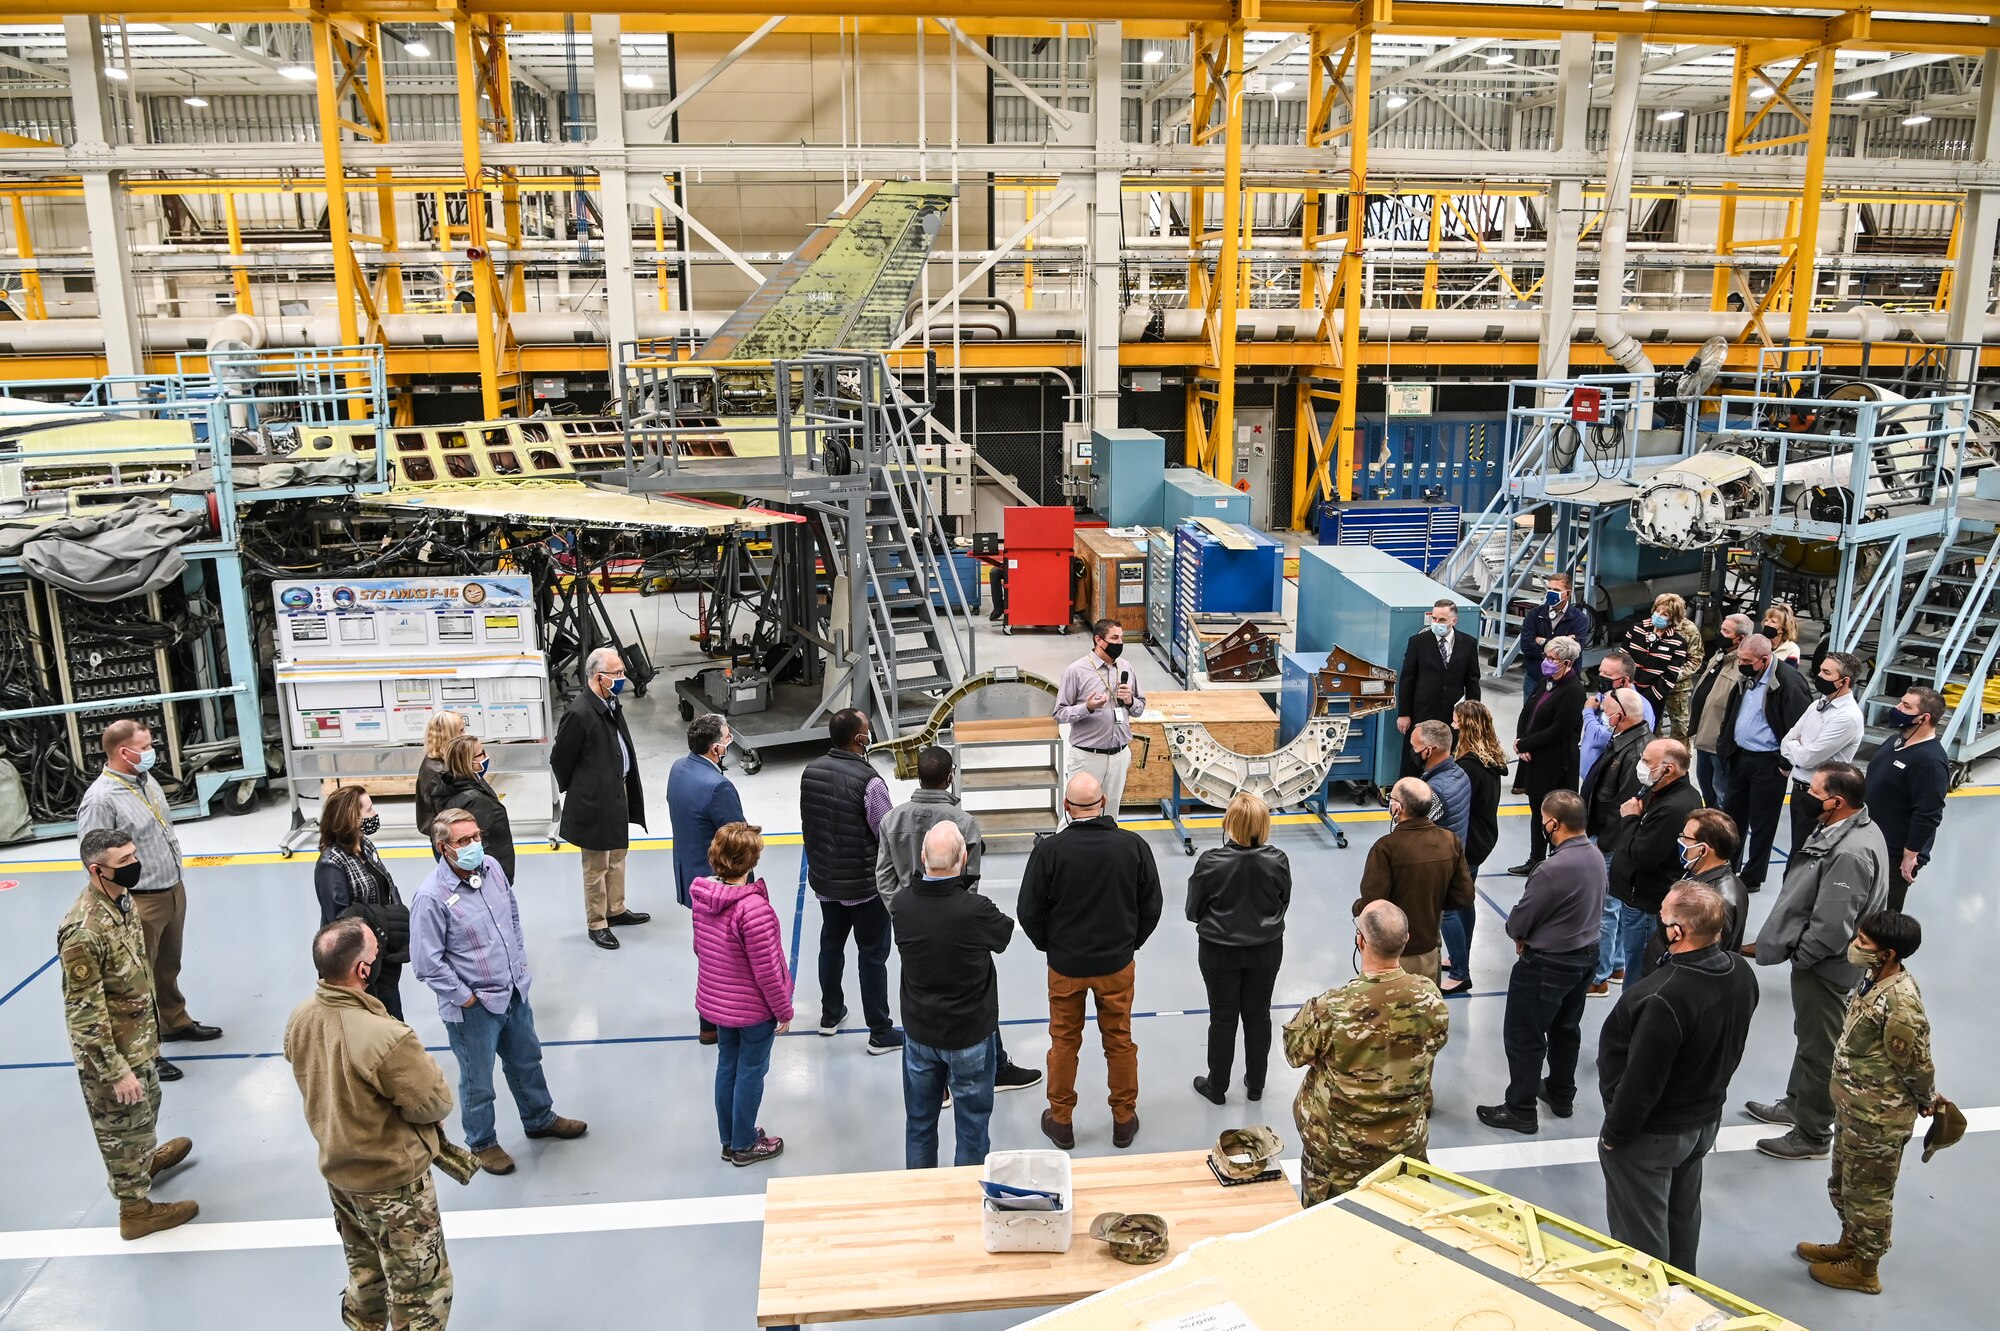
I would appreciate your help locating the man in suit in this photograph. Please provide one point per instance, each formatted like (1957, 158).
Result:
(700, 799)
(597, 770)
(1769, 698)
(1440, 670)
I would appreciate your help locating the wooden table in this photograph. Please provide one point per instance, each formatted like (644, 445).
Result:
(840, 1247)
(1242, 721)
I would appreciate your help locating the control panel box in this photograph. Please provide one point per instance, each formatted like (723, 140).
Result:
(333, 706)
(405, 618)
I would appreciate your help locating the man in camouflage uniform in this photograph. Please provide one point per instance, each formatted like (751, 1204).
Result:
(1882, 1082)
(374, 1099)
(114, 1033)
(1370, 1044)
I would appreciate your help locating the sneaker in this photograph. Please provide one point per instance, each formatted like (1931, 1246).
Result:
(1014, 1077)
(725, 1146)
(889, 1042)
(1563, 1110)
(1501, 1116)
(767, 1148)
(829, 1022)
(1618, 976)
(1600, 990)
(1791, 1146)
(1777, 1112)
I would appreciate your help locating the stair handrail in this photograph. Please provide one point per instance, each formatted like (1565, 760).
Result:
(1963, 627)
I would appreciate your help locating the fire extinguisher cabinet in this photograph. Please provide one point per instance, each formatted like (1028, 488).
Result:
(1038, 544)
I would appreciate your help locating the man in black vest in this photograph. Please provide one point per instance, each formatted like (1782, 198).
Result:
(841, 805)
(1440, 670)
(597, 770)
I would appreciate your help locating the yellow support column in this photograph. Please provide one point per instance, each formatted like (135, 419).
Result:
(346, 279)
(1805, 246)
(1351, 264)
(1228, 278)
(485, 314)
(239, 277)
(33, 306)
(1431, 267)
(375, 91)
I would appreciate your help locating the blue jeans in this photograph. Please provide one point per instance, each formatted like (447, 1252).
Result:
(969, 1075)
(1708, 774)
(1621, 942)
(743, 1056)
(476, 1038)
(1457, 928)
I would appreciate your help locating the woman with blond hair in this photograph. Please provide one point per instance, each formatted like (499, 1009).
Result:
(1484, 763)
(742, 986)
(1675, 722)
(1237, 897)
(444, 727)
(1781, 626)
(1660, 654)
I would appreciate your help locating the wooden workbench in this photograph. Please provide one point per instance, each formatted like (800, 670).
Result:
(1241, 721)
(841, 1247)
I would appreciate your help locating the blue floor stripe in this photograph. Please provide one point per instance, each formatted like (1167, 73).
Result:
(798, 917)
(30, 980)
(683, 1039)
(1498, 909)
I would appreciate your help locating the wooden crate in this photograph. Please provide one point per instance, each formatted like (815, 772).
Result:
(1241, 721)
(403, 786)
(1097, 591)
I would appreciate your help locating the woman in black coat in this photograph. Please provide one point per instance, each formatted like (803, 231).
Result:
(1237, 897)
(464, 787)
(1484, 763)
(1547, 737)
(350, 879)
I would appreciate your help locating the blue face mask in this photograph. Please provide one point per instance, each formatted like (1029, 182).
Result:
(1899, 720)
(485, 766)
(144, 762)
(1440, 629)
(1659, 621)
(617, 687)
(469, 857)
(1552, 597)
(1691, 856)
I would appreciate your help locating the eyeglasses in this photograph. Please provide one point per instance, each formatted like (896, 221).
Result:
(462, 842)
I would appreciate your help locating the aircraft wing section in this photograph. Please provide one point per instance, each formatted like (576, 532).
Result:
(581, 505)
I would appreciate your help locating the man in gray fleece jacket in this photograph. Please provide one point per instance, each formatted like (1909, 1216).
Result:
(899, 858)
(1838, 876)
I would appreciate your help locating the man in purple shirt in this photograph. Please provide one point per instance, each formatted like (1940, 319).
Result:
(1097, 699)
(466, 944)
(842, 801)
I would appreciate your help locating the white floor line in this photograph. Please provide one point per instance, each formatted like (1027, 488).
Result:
(730, 1209)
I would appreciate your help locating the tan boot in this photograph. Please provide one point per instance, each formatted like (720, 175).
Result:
(1855, 1273)
(138, 1219)
(168, 1154)
(495, 1160)
(1828, 1252)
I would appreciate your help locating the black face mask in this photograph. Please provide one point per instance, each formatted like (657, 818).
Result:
(371, 824)
(126, 875)
(1113, 650)
(1825, 686)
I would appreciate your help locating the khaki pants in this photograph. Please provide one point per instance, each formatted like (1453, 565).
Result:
(1108, 768)
(1113, 994)
(1423, 963)
(603, 886)
(162, 916)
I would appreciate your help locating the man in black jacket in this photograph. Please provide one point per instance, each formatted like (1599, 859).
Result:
(1664, 1060)
(1440, 669)
(1090, 898)
(1611, 784)
(947, 935)
(1769, 698)
(597, 770)
(1908, 779)
(1647, 861)
(842, 801)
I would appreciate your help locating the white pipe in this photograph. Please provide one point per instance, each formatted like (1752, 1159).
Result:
(1612, 234)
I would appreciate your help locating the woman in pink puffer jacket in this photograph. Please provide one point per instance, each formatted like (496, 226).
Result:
(742, 986)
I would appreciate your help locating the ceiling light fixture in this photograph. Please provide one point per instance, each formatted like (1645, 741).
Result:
(113, 72)
(1154, 55)
(194, 97)
(1666, 116)
(1762, 94)
(1500, 58)
(1864, 94)
(638, 78)
(299, 73)
(1918, 119)
(417, 49)
(1397, 102)
(1284, 86)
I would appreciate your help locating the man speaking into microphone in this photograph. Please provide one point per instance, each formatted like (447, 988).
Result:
(1097, 701)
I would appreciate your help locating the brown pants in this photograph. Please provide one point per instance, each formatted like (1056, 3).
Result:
(603, 885)
(162, 915)
(1423, 963)
(1113, 994)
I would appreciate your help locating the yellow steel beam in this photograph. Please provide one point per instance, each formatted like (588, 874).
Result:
(1351, 261)
(239, 276)
(32, 304)
(1805, 250)
(469, 38)
(329, 52)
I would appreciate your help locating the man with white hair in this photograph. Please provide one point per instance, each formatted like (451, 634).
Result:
(597, 770)
(947, 935)
(1769, 698)
(1710, 702)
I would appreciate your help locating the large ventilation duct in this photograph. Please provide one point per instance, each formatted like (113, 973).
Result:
(1619, 344)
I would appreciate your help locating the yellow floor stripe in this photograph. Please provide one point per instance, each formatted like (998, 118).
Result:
(244, 859)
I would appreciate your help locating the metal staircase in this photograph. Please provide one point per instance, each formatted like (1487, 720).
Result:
(1949, 635)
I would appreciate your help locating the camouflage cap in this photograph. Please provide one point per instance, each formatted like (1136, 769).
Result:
(1947, 1128)
(1245, 1153)
(1138, 1238)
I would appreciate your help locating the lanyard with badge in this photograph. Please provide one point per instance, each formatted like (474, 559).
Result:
(139, 792)
(1111, 687)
